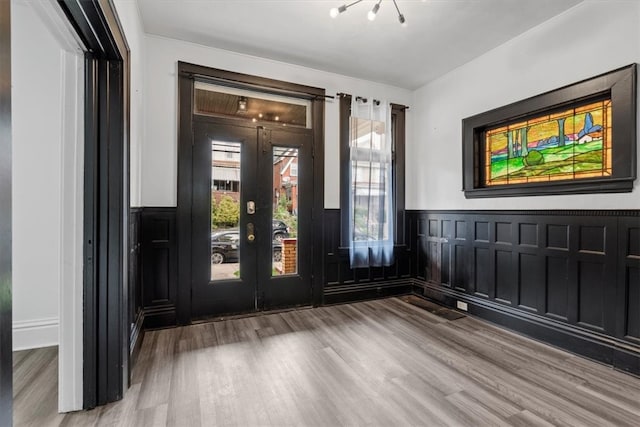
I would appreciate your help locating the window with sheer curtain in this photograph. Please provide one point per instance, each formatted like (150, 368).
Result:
(372, 137)
(370, 196)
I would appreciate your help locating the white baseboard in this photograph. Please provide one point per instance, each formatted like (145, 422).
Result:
(35, 333)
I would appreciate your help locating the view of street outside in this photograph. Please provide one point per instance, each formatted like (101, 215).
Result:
(226, 210)
(232, 269)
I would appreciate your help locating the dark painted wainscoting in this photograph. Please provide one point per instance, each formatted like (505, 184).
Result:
(159, 278)
(344, 284)
(570, 278)
(136, 312)
(159, 266)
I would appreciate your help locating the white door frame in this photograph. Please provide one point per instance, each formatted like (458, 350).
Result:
(70, 331)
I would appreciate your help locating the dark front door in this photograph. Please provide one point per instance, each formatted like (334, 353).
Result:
(251, 218)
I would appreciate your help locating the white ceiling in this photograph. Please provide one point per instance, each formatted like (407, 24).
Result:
(440, 36)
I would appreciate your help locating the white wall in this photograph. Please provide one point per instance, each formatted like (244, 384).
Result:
(592, 38)
(37, 146)
(48, 135)
(159, 152)
(131, 22)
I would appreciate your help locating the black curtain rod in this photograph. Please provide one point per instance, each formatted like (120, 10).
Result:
(363, 99)
(257, 88)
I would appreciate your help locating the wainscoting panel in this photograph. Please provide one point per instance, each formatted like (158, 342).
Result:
(580, 269)
(506, 291)
(557, 287)
(159, 266)
(629, 279)
(343, 284)
(136, 312)
(482, 274)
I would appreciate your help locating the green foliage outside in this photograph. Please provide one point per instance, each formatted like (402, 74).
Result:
(224, 214)
(360, 220)
(282, 213)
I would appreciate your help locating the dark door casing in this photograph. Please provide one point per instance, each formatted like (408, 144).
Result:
(106, 200)
(188, 73)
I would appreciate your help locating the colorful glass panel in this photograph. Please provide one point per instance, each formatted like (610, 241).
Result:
(567, 145)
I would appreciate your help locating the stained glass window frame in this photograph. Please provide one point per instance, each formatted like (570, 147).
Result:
(556, 160)
(617, 87)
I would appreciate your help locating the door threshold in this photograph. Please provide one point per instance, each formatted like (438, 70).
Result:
(245, 315)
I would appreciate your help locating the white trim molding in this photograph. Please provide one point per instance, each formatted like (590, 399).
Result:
(35, 333)
(68, 335)
(52, 16)
(71, 214)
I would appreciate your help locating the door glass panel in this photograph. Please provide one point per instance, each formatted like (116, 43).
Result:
(221, 101)
(285, 211)
(225, 210)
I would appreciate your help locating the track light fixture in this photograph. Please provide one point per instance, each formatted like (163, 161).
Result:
(401, 19)
(338, 10)
(334, 12)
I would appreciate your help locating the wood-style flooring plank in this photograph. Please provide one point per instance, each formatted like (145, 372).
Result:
(35, 392)
(374, 363)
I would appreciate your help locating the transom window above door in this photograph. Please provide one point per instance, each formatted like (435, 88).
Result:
(230, 102)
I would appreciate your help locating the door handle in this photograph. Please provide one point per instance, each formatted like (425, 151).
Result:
(251, 232)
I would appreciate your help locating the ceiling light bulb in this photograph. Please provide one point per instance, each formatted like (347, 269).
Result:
(403, 21)
(242, 104)
(334, 12)
(372, 13)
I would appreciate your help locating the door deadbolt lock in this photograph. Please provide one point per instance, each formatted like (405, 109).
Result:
(250, 232)
(251, 207)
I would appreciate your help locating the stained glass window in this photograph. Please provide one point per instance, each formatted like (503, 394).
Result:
(568, 145)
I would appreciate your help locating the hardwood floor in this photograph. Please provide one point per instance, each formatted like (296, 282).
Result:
(381, 362)
(35, 387)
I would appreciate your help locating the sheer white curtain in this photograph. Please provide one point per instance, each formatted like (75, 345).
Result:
(370, 199)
